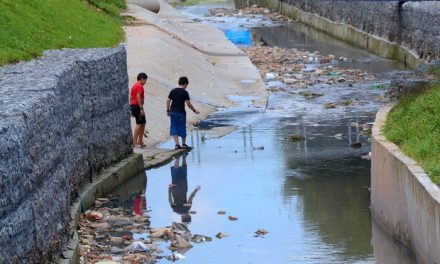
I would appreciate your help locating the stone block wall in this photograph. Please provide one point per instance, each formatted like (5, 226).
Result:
(63, 118)
(408, 32)
(415, 25)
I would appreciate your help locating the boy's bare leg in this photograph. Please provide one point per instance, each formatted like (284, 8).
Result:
(141, 134)
(135, 135)
(176, 139)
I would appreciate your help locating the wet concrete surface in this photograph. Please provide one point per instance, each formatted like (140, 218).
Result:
(311, 195)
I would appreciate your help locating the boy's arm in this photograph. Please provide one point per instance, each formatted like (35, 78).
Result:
(193, 194)
(170, 196)
(139, 99)
(168, 105)
(188, 102)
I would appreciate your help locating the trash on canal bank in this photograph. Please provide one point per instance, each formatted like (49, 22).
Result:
(248, 12)
(310, 94)
(301, 69)
(221, 235)
(200, 238)
(125, 235)
(329, 105)
(176, 257)
(260, 233)
(138, 246)
(294, 138)
(356, 145)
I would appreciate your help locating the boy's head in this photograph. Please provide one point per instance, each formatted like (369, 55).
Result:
(183, 81)
(142, 78)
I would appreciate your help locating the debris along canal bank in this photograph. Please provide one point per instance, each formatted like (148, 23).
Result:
(288, 185)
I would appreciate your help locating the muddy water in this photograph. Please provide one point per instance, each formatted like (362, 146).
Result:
(302, 37)
(312, 195)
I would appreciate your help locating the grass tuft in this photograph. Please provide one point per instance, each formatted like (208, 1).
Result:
(414, 125)
(111, 7)
(30, 27)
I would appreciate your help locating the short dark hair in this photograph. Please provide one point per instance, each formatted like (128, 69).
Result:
(186, 218)
(142, 76)
(183, 80)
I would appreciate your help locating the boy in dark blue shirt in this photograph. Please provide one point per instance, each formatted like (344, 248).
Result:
(176, 101)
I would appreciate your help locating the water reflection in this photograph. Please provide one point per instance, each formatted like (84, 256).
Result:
(330, 181)
(132, 194)
(177, 190)
(311, 196)
(389, 251)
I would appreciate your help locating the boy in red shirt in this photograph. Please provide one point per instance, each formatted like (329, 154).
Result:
(137, 109)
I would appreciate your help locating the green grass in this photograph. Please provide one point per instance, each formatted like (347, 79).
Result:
(414, 125)
(28, 27)
(112, 7)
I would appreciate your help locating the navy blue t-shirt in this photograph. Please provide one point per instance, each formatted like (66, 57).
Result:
(178, 97)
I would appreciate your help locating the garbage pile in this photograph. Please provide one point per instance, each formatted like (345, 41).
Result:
(302, 69)
(116, 234)
(110, 234)
(252, 11)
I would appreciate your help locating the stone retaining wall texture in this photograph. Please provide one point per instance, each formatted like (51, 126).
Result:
(415, 25)
(63, 117)
(403, 198)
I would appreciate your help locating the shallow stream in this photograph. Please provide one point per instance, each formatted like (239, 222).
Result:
(311, 195)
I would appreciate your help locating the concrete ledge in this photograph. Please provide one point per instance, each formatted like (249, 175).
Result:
(104, 183)
(403, 197)
(345, 32)
(156, 157)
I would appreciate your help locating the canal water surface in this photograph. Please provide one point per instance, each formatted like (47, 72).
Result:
(311, 195)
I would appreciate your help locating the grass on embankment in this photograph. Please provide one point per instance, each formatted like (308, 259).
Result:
(29, 27)
(414, 125)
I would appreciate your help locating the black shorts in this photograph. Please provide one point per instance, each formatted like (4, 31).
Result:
(136, 112)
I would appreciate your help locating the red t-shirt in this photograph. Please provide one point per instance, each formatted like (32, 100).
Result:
(138, 205)
(137, 88)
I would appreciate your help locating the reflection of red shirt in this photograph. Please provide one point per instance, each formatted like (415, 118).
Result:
(138, 205)
(137, 88)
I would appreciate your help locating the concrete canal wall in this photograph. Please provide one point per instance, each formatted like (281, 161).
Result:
(403, 198)
(407, 32)
(64, 117)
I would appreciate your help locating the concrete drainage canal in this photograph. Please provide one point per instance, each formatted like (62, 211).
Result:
(290, 184)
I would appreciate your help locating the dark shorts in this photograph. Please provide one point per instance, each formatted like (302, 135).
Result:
(136, 112)
(178, 124)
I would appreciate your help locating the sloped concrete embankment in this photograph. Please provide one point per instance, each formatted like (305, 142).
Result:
(64, 117)
(403, 198)
(168, 45)
(407, 32)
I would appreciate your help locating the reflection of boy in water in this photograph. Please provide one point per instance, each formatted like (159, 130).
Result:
(139, 205)
(140, 201)
(178, 189)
